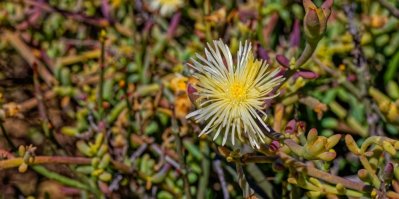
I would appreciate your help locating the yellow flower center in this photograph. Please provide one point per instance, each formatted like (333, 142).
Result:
(238, 93)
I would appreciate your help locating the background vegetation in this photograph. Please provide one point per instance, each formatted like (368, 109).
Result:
(93, 99)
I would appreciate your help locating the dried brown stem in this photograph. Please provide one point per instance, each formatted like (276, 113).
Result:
(257, 159)
(75, 16)
(27, 54)
(33, 102)
(39, 95)
(15, 162)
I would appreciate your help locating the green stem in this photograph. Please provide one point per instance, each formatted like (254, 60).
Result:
(390, 7)
(102, 74)
(205, 164)
(184, 172)
(374, 178)
(129, 108)
(260, 179)
(59, 178)
(306, 54)
(242, 182)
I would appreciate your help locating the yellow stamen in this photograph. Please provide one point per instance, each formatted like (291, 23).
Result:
(238, 93)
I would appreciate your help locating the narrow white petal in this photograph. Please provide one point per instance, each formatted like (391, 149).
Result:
(226, 133)
(194, 113)
(217, 133)
(233, 133)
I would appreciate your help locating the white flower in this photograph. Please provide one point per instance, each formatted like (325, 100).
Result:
(231, 95)
(166, 7)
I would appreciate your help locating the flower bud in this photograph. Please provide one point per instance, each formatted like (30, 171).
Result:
(301, 127)
(363, 175)
(274, 146)
(312, 23)
(315, 21)
(388, 172)
(23, 167)
(191, 91)
(306, 74)
(340, 188)
(291, 126)
(282, 60)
